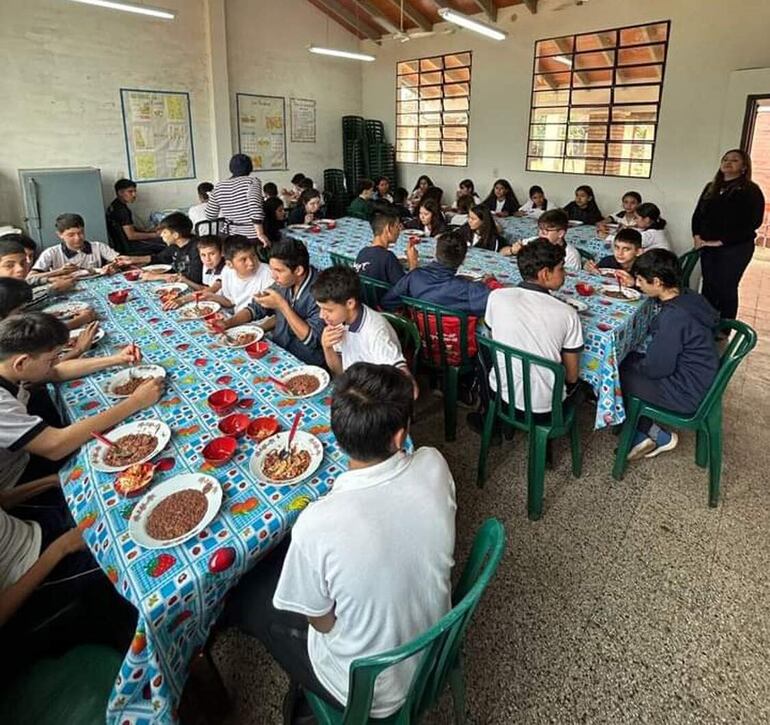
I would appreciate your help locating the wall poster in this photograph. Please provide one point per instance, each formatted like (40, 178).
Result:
(262, 130)
(302, 120)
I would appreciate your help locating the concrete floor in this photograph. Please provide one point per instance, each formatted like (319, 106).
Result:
(628, 602)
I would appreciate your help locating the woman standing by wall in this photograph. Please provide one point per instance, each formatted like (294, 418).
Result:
(724, 224)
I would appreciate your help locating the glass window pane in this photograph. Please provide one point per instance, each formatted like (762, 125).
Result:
(456, 119)
(546, 148)
(638, 169)
(430, 131)
(454, 159)
(405, 157)
(430, 119)
(407, 66)
(587, 132)
(430, 145)
(429, 157)
(584, 166)
(591, 97)
(553, 64)
(407, 107)
(406, 132)
(630, 150)
(555, 45)
(430, 92)
(429, 64)
(410, 81)
(549, 115)
(430, 79)
(406, 145)
(589, 78)
(455, 147)
(550, 98)
(552, 81)
(457, 90)
(600, 59)
(585, 148)
(654, 33)
(547, 130)
(638, 94)
(639, 74)
(540, 164)
(642, 54)
(596, 41)
(635, 113)
(409, 119)
(456, 104)
(430, 106)
(407, 94)
(632, 132)
(457, 76)
(455, 132)
(457, 59)
(589, 114)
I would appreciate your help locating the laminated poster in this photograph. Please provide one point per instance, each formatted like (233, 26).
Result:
(262, 130)
(302, 120)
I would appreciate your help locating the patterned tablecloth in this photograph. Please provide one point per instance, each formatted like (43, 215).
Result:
(582, 236)
(176, 594)
(611, 328)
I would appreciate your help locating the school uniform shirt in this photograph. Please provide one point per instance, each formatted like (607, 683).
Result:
(572, 260)
(211, 276)
(197, 213)
(623, 219)
(473, 239)
(92, 256)
(387, 197)
(654, 239)
(589, 215)
(542, 325)
(609, 262)
(385, 590)
(304, 304)
(297, 215)
(370, 338)
(379, 263)
(20, 543)
(440, 285)
(241, 291)
(119, 216)
(239, 201)
(360, 208)
(183, 260)
(532, 211)
(439, 226)
(496, 205)
(458, 220)
(17, 428)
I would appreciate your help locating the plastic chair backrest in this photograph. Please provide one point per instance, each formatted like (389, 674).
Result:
(216, 227)
(687, 263)
(408, 336)
(743, 342)
(438, 327)
(340, 260)
(373, 290)
(439, 647)
(503, 370)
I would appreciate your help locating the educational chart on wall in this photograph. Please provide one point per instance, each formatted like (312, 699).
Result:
(262, 130)
(158, 132)
(302, 120)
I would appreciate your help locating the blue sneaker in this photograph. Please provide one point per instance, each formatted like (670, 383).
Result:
(641, 445)
(665, 441)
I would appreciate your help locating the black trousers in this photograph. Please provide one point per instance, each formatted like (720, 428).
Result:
(284, 634)
(722, 269)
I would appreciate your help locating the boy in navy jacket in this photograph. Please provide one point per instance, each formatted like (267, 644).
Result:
(681, 360)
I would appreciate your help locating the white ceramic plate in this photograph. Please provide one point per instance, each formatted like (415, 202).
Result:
(579, 305)
(139, 371)
(228, 339)
(302, 442)
(159, 268)
(629, 293)
(326, 221)
(191, 312)
(207, 485)
(572, 223)
(100, 333)
(80, 273)
(607, 271)
(152, 427)
(300, 226)
(165, 289)
(318, 373)
(414, 232)
(66, 310)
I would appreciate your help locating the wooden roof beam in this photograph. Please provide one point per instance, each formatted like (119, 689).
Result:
(488, 7)
(413, 14)
(378, 17)
(531, 5)
(341, 13)
(567, 51)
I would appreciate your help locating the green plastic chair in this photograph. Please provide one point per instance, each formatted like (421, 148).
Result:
(408, 336)
(340, 260)
(439, 649)
(687, 263)
(562, 422)
(434, 352)
(706, 421)
(373, 290)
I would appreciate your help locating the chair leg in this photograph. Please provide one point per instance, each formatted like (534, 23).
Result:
(626, 436)
(457, 683)
(715, 455)
(451, 380)
(486, 437)
(575, 449)
(702, 447)
(538, 440)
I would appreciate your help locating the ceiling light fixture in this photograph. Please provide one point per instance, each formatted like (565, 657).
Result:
(477, 26)
(131, 8)
(340, 53)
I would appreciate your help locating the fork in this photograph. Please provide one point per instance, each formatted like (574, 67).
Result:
(286, 452)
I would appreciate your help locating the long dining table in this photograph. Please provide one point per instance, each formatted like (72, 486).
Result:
(179, 591)
(611, 327)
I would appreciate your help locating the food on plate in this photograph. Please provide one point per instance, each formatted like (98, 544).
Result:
(616, 294)
(168, 292)
(279, 467)
(134, 478)
(238, 339)
(130, 385)
(302, 384)
(193, 312)
(130, 449)
(177, 514)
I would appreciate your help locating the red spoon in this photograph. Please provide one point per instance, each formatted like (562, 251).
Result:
(279, 384)
(287, 451)
(103, 439)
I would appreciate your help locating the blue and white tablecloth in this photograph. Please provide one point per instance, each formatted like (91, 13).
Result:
(583, 236)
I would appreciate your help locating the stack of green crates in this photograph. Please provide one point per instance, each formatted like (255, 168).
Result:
(354, 158)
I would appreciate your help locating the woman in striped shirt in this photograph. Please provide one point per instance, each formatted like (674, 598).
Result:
(239, 201)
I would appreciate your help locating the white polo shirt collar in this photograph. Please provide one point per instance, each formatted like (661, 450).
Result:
(382, 472)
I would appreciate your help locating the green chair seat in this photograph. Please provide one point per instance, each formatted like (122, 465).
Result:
(340, 260)
(687, 263)
(439, 649)
(73, 688)
(706, 421)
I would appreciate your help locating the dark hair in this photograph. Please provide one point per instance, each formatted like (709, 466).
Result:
(651, 211)
(660, 263)
(436, 193)
(292, 252)
(554, 217)
(306, 184)
(8, 246)
(122, 184)
(371, 403)
(437, 218)
(509, 193)
(179, 223)
(204, 188)
(400, 195)
(210, 240)
(420, 179)
(364, 185)
(383, 218)
(241, 165)
(465, 203)
(537, 255)
(451, 249)
(337, 284)
(535, 189)
(469, 183)
(585, 188)
(634, 195)
(269, 188)
(297, 178)
(31, 334)
(271, 222)
(69, 221)
(23, 239)
(630, 235)
(236, 243)
(488, 229)
(307, 195)
(381, 178)
(713, 189)
(13, 294)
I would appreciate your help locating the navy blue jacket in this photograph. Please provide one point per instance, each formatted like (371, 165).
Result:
(682, 355)
(440, 285)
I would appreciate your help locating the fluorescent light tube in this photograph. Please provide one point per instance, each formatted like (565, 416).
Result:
(131, 8)
(477, 26)
(340, 53)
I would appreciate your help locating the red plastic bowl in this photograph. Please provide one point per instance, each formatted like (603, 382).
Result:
(257, 350)
(315, 229)
(118, 297)
(584, 289)
(234, 425)
(219, 450)
(223, 401)
(261, 428)
(133, 275)
(331, 225)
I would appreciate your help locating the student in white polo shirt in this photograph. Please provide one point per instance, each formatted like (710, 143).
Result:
(529, 318)
(354, 332)
(368, 567)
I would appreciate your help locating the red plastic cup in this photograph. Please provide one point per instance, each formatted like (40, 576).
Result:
(257, 350)
(331, 225)
(315, 229)
(118, 297)
(219, 450)
(584, 289)
(223, 401)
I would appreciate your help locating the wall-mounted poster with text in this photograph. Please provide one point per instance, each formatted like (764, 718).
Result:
(262, 130)
(302, 120)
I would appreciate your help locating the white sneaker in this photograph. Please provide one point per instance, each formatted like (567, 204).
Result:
(641, 449)
(669, 446)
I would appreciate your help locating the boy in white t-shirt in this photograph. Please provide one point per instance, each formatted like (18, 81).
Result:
(335, 578)
(242, 277)
(551, 225)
